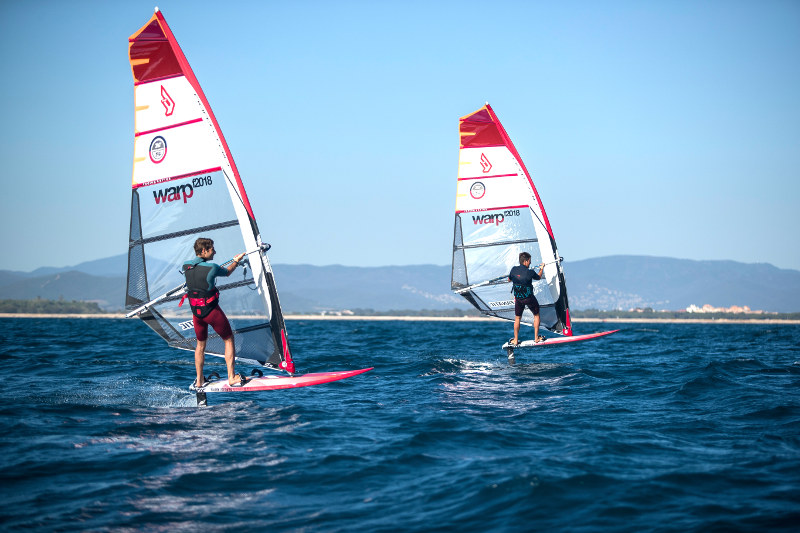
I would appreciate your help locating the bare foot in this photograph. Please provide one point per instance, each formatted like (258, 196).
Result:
(238, 383)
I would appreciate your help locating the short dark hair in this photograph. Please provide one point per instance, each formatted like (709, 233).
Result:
(202, 244)
(524, 256)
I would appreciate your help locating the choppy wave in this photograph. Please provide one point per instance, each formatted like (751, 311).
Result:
(673, 427)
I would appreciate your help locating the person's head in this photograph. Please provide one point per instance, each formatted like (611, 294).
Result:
(524, 256)
(202, 244)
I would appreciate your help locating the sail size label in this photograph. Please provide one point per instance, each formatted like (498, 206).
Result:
(502, 303)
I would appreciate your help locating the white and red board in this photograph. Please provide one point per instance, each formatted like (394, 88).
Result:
(282, 382)
(560, 340)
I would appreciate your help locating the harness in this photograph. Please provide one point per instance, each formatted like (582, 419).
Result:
(202, 301)
(521, 291)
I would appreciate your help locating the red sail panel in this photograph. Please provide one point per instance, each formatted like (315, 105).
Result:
(478, 130)
(151, 54)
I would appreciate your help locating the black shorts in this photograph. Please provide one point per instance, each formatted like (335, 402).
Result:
(531, 302)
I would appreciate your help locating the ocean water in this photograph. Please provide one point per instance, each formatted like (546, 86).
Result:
(660, 427)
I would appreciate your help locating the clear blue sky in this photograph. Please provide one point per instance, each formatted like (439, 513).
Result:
(655, 128)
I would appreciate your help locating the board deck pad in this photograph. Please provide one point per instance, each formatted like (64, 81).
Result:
(282, 382)
(559, 340)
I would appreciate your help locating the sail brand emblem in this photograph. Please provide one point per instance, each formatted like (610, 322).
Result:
(185, 326)
(477, 190)
(167, 102)
(495, 219)
(170, 194)
(158, 149)
(487, 166)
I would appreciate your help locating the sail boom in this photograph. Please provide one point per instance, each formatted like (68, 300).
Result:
(156, 300)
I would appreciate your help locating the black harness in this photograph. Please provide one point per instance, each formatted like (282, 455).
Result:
(521, 291)
(201, 299)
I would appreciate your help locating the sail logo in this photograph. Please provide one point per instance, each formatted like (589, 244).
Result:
(186, 326)
(502, 304)
(477, 190)
(158, 149)
(172, 194)
(494, 218)
(167, 102)
(485, 164)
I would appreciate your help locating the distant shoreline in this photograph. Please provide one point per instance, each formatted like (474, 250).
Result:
(455, 319)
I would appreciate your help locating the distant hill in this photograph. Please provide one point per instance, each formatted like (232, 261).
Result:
(606, 283)
(628, 281)
(107, 292)
(313, 288)
(110, 266)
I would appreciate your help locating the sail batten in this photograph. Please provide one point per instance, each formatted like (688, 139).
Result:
(185, 123)
(498, 215)
(185, 185)
(171, 178)
(203, 229)
(499, 243)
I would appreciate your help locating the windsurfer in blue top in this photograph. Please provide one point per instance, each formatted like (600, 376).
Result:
(203, 296)
(522, 278)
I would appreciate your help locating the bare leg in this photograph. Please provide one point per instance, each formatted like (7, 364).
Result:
(516, 329)
(536, 328)
(230, 356)
(199, 360)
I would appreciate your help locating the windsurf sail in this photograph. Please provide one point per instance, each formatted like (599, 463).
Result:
(498, 215)
(185, 185)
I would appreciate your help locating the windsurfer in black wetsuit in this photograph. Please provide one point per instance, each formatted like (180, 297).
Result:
(522, 278)
(203, 296)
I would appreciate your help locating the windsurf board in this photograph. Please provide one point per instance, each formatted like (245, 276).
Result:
(558, 340)
(276, 382)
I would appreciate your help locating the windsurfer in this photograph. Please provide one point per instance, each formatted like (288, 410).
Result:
(522, 279)
(203, 296)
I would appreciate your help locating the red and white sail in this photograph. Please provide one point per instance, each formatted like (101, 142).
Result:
(498, 215)
(185, 185)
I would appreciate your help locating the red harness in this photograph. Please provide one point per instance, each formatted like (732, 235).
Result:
(201, 305)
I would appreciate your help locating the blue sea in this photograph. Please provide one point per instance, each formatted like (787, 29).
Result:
(660, 427)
